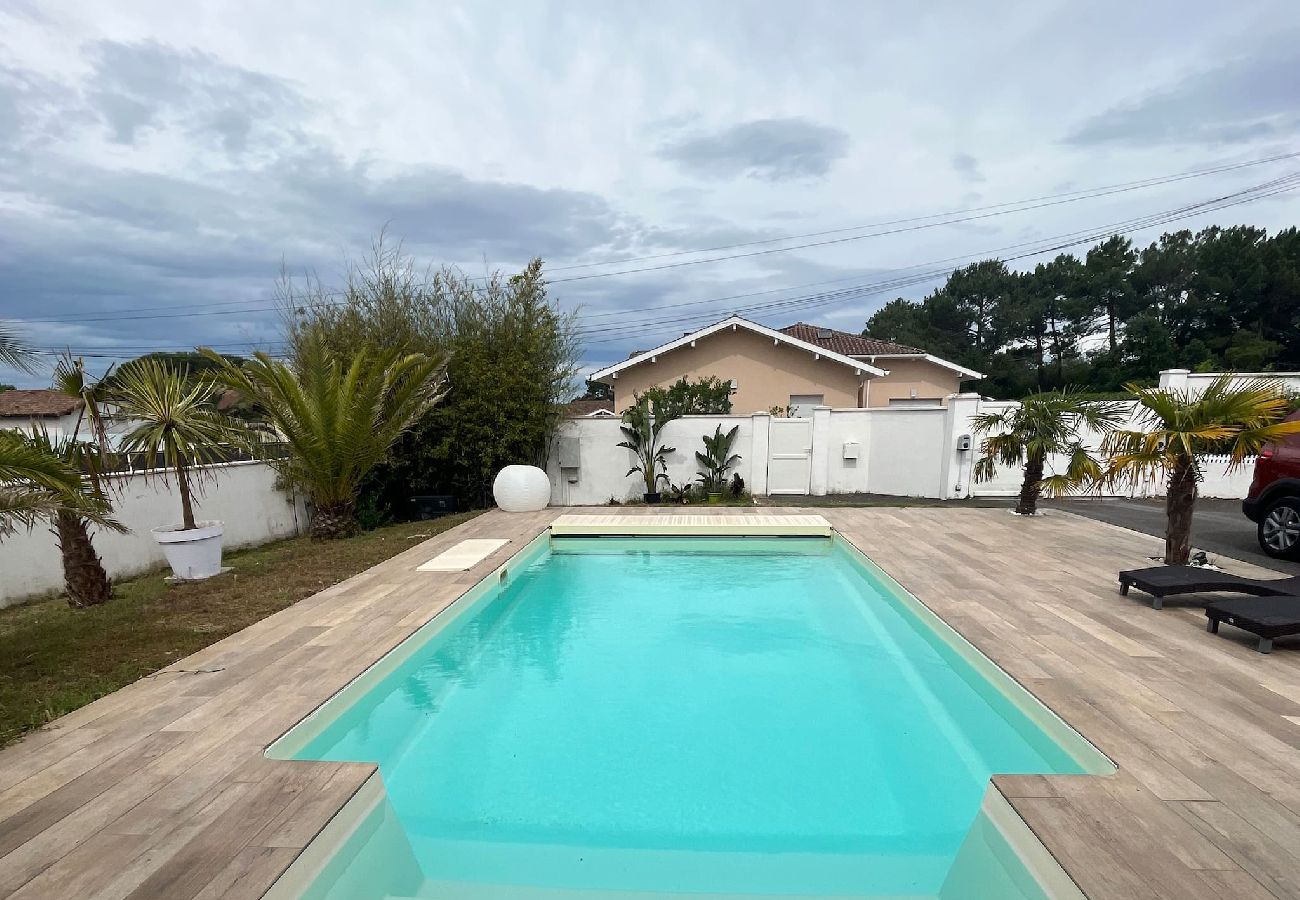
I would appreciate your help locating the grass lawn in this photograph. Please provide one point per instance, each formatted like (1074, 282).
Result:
(54, 659)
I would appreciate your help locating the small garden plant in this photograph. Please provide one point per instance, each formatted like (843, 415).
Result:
(716, 460)
(642, 424)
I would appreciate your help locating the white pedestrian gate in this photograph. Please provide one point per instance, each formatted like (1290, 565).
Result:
(789, 456)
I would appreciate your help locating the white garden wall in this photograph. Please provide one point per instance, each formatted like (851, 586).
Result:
(904, 452)
(1196, 382)
(601, 476)
(243, 496)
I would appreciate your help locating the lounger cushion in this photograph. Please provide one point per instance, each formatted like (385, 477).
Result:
(1161, 581)
(1265, 616)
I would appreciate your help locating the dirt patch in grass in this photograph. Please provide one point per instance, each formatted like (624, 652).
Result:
(54, 659)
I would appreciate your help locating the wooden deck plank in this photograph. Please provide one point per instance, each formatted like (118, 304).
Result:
(161, 790)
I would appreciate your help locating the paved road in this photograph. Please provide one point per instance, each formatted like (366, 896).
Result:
(1217, 526)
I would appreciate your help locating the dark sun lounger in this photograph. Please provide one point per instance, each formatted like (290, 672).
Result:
(1268, 617)
(1166, 581)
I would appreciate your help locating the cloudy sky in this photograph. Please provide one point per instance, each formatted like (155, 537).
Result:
(160, 161)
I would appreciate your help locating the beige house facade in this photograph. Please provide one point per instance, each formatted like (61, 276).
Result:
(793, 369)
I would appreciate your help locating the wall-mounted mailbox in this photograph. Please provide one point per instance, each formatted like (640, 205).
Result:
(963, 442)
(851, 449)
(567, 453)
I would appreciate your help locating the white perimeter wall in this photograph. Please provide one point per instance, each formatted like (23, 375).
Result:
(904, 452)
(243, 496)
(602, 473)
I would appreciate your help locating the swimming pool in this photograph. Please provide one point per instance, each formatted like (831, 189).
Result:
(728, 716)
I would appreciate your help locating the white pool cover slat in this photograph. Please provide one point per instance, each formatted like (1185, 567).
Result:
(463, 556)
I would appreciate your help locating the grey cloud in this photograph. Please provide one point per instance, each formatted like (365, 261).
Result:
(770, 149)
(143, 85)
(967, 166)
(1250, 98)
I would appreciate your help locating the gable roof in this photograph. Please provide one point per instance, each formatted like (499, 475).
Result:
(37, 404)
(734, 322)
(588, 407)
(843, 342)
(858, 346)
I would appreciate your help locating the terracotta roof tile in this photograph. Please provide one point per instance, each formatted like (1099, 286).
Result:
(36, 404)
(587, 407)
(844, 343)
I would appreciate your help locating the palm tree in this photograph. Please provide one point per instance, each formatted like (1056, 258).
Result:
(36, 483)
(85, 581)
(336, 421)
(1178, 428)
(13, 352)
(177, 422)
(1044, 425)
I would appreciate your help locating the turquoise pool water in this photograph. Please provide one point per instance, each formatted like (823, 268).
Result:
(726, 716)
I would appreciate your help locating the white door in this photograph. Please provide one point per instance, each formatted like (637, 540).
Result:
(789, 463)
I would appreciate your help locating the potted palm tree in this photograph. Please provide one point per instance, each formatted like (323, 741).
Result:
(641, 426)
(177, 428)
(1178, 427)
(1044, 425)
(716, 459)
(336, 420)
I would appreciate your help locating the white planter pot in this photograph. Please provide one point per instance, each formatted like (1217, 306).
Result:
(193, 554)
(521, 489)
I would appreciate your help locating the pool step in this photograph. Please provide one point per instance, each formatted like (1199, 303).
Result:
(462, 891)
(752, 524)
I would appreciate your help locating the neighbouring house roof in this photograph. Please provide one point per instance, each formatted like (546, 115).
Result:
(859, 346)
(228, 400)
(734, 322)
(577, 408)
(37, 404)
(843, 342)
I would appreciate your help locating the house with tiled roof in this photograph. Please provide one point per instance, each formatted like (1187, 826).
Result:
(54, 411)
(792, 369)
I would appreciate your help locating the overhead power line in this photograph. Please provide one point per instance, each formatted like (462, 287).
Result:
(628, 327)
(1058, 199)
(915, 223)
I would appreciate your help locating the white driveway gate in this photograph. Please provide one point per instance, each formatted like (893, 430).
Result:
(789, 456)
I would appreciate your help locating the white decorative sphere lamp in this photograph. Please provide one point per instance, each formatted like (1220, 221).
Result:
(521, 489)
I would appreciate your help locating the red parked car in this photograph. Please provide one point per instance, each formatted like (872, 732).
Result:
(1274, 498)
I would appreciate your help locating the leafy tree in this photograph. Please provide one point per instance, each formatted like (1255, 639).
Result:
(597, 390)
(1178, 428)
(511, 361)
(1211, 300)
(1043, 425)
(902, 322)
(8, 387)
(706, 396)
(1108, 293)
(337, 418)
(1249, 351)
(177, 422)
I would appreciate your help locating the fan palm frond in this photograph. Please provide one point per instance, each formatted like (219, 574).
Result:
(337, 421)
(14, 351)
